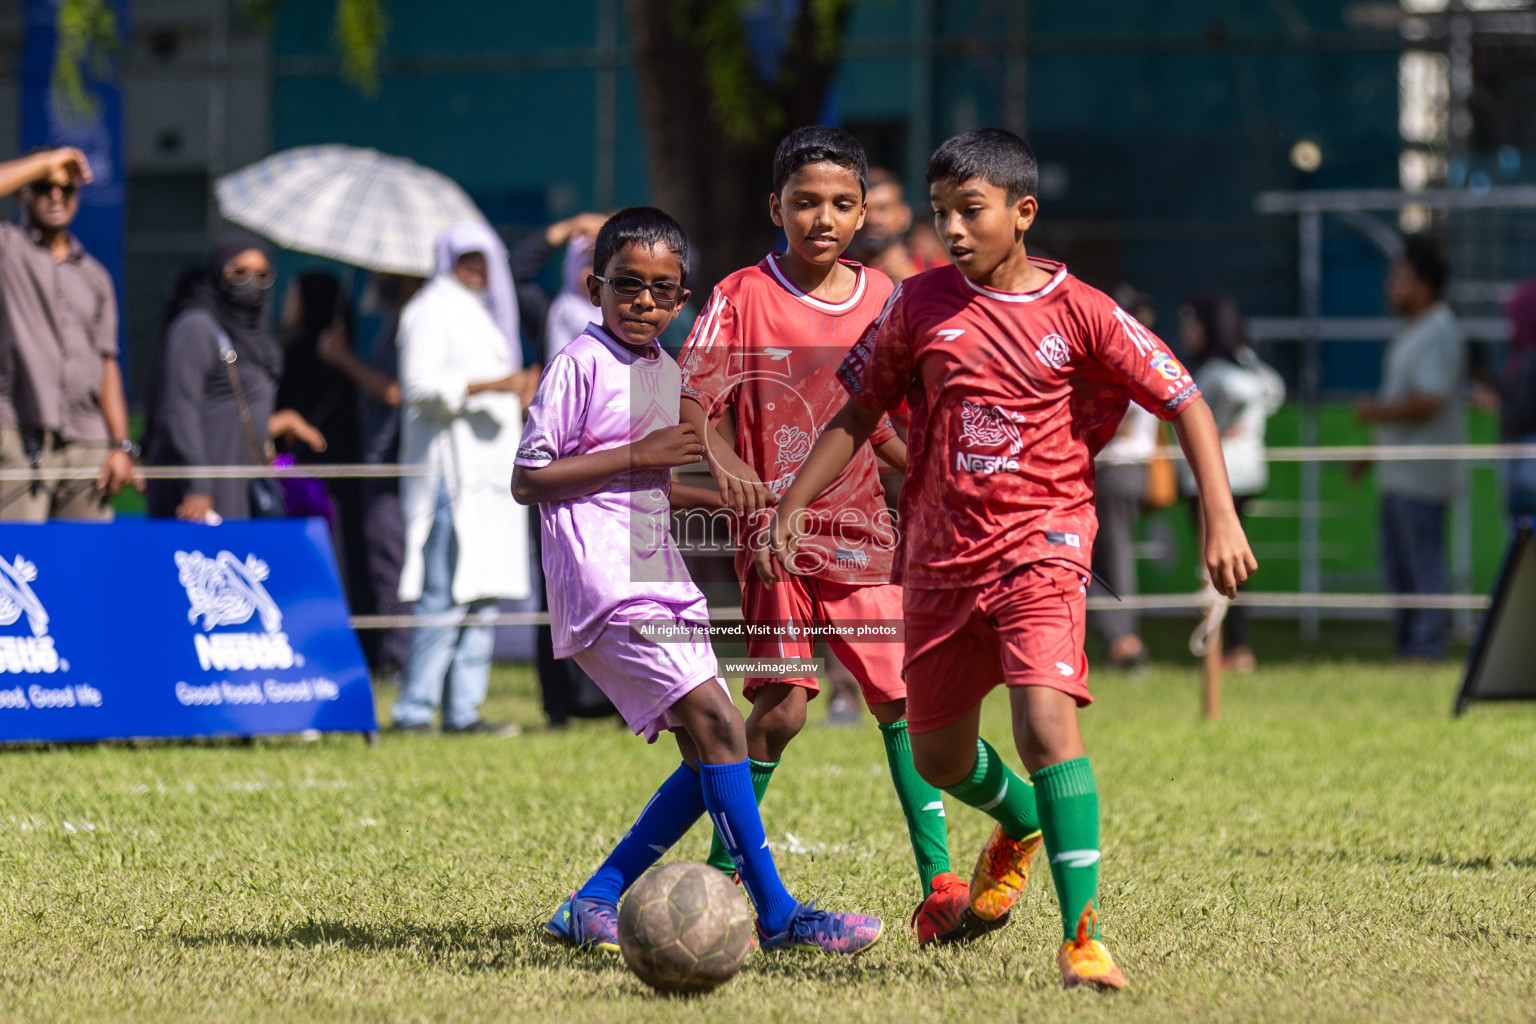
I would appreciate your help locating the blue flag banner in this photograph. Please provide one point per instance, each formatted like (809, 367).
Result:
(156, 628)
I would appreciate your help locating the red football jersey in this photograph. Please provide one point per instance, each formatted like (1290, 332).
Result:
(1012, 395)
(770, 353)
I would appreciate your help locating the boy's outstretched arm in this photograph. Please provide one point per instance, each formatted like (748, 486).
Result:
(741, 489)
(893, 453)
(845, 435)
(1228, 558)
(686, 496)
(577, 475)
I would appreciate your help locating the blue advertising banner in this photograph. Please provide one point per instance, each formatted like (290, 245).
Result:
(98, 133)
(156, 628)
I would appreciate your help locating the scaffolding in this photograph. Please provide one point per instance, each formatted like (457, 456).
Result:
(1489, 248)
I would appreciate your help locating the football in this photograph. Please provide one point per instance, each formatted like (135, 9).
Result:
(684, 928)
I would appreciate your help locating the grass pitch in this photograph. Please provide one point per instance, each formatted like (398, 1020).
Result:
(1337, 848)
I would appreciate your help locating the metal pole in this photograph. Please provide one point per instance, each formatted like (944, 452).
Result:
(606, 113)
(920, 98)
(1016, 70)
(1310, 269)
(218, 102)
(1459, 122)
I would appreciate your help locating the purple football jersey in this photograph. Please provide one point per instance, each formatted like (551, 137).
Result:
(612, 549)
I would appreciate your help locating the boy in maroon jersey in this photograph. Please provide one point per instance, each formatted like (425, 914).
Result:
(1016, 374)
(767, 350)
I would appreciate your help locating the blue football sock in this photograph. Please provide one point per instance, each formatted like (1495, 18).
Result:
(733, 809)
(666, 819)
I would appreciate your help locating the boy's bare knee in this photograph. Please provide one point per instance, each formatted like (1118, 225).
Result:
(778, 715)
(783, 723)
(938, 767)
(1045, 729)
(886, 712)
(721, 736)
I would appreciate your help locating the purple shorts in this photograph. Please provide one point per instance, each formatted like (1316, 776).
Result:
(644, 678)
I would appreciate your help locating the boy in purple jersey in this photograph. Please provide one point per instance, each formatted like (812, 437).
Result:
(597, 456)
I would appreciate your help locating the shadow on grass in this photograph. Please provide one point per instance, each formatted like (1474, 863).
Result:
(460, 946)
(466, 947)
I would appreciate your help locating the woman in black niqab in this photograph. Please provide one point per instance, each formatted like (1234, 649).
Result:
(195, 415)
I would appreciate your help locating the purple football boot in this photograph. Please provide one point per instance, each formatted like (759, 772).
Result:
(588, 924)
(822, 931)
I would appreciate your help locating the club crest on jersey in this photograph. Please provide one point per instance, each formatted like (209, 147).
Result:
(1166, 365)
(1053, 351)
(985, 426)
(794, 445)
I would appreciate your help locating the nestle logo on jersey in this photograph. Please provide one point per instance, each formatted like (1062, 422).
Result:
(1053, 351)
(971, 462)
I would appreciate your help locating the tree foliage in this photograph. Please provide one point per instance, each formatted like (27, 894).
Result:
(86, 44)
(716, 101)
(361, 26)
(719, 81)
(747, 94)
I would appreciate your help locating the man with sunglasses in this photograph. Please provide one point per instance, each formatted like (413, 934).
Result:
(61, 390)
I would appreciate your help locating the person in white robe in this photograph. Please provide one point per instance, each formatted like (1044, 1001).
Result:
(463, 390)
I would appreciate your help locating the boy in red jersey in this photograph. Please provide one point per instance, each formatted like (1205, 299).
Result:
(767, 349)
(1016, 374)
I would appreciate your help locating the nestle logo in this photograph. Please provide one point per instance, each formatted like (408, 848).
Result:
(1053, 351)
(969, 462)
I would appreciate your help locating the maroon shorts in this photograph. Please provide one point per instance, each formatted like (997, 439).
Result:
(806, 600)
(1026, 629)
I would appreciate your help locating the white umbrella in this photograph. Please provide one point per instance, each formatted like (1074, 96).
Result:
(358, 206)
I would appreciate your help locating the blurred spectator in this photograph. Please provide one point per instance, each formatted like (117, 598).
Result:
(527, 259)
(316, 330)
(61, 403)
(216, 388)
(925, 245)
(1243, 393)
(466, 538)
(1517, 400)
(1120, 490)
(1420, 403)
(383, 527)
(883, 242)
(572, 309)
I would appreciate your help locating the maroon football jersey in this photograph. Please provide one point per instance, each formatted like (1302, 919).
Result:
(771, 353)
(1012, 395)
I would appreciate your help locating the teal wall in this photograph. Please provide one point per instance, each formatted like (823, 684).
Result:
(1159, 121)
(521, 141)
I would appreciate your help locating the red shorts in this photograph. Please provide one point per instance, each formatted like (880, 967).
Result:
(1026, 629)
(806, 600)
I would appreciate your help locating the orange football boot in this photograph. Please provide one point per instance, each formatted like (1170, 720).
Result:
(1084, 960)
(1002, 872)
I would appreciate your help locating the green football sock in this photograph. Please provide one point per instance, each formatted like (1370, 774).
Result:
(922, 803)
(762, 772)
(1069, 819)
(998, 790)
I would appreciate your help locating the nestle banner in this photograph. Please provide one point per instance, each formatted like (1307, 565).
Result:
(154, 628)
